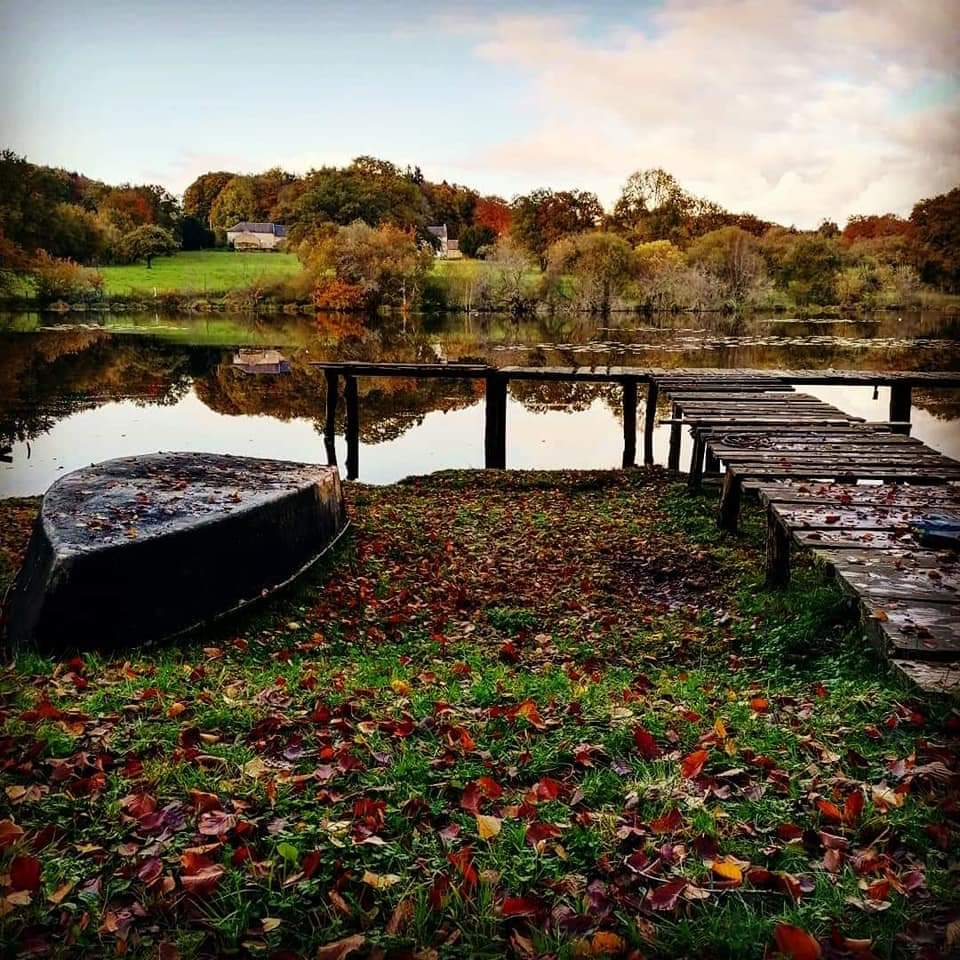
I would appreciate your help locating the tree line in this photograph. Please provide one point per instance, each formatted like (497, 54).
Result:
(361, 232)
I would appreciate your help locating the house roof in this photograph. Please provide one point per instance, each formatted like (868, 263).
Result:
(244, 226)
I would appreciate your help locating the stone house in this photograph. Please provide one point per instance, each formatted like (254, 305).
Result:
(256, 236)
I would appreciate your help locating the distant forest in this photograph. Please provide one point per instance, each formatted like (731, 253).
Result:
(657, 240)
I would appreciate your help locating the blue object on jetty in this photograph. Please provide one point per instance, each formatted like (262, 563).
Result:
(938, 530)
(135, 550)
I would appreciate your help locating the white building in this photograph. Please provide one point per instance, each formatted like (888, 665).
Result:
(448, 249)
(256, 236)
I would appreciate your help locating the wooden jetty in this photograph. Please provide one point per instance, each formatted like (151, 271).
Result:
(783, 444)
(804, 458)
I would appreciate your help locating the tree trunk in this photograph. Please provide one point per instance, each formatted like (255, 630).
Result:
(148, 262)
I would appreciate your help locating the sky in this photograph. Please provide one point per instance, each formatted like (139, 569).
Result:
(796, 110)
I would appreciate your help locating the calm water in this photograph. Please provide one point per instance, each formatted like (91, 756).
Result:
(93, 387)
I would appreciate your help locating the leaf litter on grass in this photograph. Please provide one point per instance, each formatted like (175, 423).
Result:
(541, 715)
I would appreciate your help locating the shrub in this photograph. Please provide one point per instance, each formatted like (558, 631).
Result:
(338, 295)
(61, 279)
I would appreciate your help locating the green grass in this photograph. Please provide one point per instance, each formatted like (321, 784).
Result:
(206, 272)
(518, 627)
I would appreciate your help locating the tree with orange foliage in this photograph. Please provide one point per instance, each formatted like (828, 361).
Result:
(493, 212)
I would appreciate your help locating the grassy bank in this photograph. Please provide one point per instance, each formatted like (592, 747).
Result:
(203, 272)
(519, 714)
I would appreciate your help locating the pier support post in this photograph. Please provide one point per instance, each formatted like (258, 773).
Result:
(901, 397)
(353, 426)
(649, 421)
(330, 423)
(673, 454)
(730, 501)
(778, 551)
(629, 423)
(495, 432)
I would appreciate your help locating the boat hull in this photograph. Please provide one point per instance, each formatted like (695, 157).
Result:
(133, 551)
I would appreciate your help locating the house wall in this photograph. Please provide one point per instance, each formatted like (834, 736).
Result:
(266, 241)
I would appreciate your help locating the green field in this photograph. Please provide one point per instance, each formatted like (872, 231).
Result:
(199, 271)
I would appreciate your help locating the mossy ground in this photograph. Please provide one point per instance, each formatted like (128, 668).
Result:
(525, 714)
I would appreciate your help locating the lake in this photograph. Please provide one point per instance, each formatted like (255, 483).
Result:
(88, 387)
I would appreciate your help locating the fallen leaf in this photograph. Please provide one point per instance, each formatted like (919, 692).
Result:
(796, 943)
(488, 827)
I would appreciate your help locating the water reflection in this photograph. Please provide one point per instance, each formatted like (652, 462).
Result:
(74, 394)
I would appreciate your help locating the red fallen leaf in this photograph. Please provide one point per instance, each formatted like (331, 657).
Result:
(693, 763)
(509, 652)
(520, 907)
(439, 891)
(150, 870)
(830, 811)
(341, 949)
(669, 822)
(138, 805)
(10, 833)
(760, 704)
(853, 807)
(548, 789)
(25, 873)
(204, 801)
(646, 744)
(311, 863)
(540, 831)
(216, 822)
(789, 831)
(666, 897)
(795, 943)
(463, 861)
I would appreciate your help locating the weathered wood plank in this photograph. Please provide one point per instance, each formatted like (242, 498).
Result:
(914, 629)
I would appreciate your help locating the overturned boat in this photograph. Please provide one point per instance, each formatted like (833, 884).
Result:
(134, 550)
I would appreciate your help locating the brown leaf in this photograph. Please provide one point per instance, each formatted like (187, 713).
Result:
(340, 949)
(488, 827)
(10, 833)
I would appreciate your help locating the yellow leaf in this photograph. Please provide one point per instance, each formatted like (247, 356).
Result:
(488, 827)
(380, 881)
(727, 870)
(719, 728)
(61, 891)
(271, 923)
(255, 768)
(400, 687)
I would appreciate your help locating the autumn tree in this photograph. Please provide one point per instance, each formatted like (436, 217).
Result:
(385, 262)
(937, 224)
(543, 217)
(147, 242)
(199, 197)
(493, 212)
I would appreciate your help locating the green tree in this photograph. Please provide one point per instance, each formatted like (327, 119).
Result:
(473, 238)
(147, 242)
(732, 256)
(543, 217)
(600, 265)
(236, 201)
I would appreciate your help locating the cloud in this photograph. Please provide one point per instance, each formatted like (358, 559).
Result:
(793, 109)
